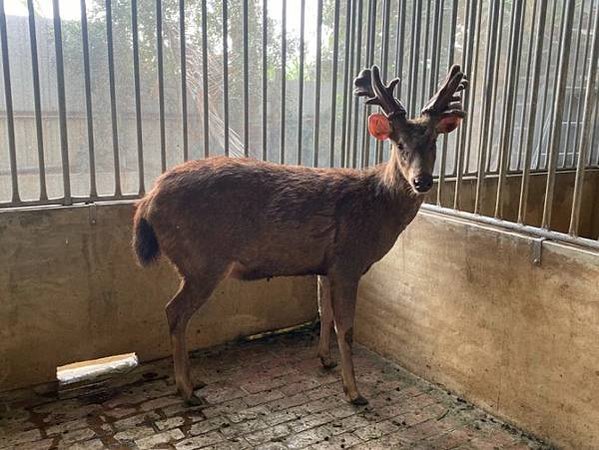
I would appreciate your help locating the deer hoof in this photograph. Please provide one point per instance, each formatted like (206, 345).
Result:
(359, 401)
(327, 362)
(194, 400)
(199, 385)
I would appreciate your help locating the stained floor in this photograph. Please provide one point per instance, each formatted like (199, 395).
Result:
(267, 394)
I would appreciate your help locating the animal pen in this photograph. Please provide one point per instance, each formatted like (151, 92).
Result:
(493, 292)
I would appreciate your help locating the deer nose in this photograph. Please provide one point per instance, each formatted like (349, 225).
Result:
(423, 183)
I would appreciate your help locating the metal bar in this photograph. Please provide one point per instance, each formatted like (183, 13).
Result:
(334, 85)
(490, 72)
(546, 85)
(12, 148)
(525, 229)
(508, 104)
(346, 83)
(159, 57)
(587, 125)
(371, 29)
(62, 106)
(37, 101)
(556, 121)
(137, 87)
(283, 76)
(495, 87)
(574, 77)
(205, 93)
(264, 80)
(184, 78)
(300, 113)
(226, 75)
(386, 10)
(437, 23)
(530, 125)
(526, 88)
(354, 162)
(414, 52)
(451, 43)
(469, 96)
(399, 45)
(112, 89)
(425, 60)
(466, 129)
(584, 71)
(318, 83)
(246, 82)
(458, 149)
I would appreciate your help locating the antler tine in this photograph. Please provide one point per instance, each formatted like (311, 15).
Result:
(369, 84)
(445, 99)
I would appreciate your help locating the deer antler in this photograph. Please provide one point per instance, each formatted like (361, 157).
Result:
(369, 84)
(446, 102)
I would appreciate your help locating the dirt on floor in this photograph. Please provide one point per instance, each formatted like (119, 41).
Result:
(269, 393)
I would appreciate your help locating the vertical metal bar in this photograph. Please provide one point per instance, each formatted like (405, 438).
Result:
(386, 10)
(264, 79)
(399, 45)
(470, 33)
(37, 101)
(283, 76)
(508, 104)
(334, 85)
(451, 44)
(318, 83)
(584, 71)
(226, 74)
(546, 85)
(112, 88)
(62, 105)
(300, 113)
(137, 87)
(490, 72)
(526, 88)
(426, 55)
(354, 162)
(531, 118)
(12, 148)
(469, 96)
(554, 142)
(205, 80)
(159, 57)
(184, 78)
(573, 86)
(491, 130)
(365, 156)
(437, 23)
(346, 80)
(587, 125)
(246, 82)
(414, 53)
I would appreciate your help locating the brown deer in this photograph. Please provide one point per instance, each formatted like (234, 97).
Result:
(232, 217)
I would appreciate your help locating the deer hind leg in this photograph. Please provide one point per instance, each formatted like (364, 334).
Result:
(343, 293)
(191, 296)
(326, 322)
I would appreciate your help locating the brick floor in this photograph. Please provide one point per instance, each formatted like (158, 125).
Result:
(266, 394)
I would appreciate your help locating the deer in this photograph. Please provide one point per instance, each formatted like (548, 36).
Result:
(247, 219)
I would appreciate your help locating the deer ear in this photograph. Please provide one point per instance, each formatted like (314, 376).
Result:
(379, 126)
(448, 124)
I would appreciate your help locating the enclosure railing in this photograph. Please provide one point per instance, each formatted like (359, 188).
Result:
(100, 96)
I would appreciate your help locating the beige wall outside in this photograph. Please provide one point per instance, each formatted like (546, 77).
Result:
(70, 290)
(463, 305)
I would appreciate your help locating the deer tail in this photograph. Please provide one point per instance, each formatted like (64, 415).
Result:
(145, 242)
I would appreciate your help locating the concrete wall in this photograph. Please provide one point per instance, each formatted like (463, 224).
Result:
(70, 290)
(462, 305)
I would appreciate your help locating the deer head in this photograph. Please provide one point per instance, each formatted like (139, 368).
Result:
(414, 139)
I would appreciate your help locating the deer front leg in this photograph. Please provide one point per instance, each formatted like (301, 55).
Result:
(326, 322)
(343, 293)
